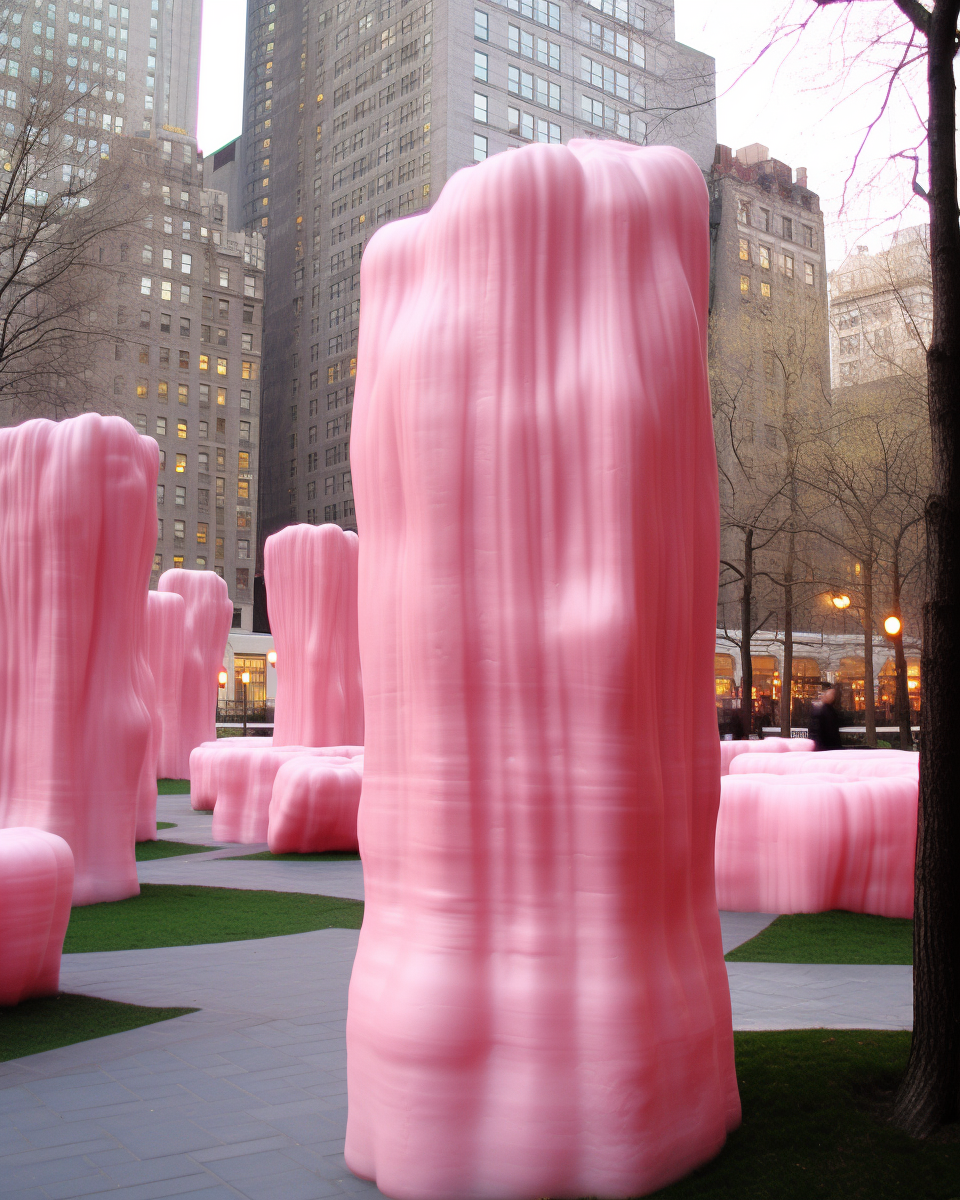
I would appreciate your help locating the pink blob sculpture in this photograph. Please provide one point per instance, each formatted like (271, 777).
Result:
(539, 1004)
(850, 764)
(313, 806)
(36, 884)
(78, 529)
(731, 750)
(166, 614)
(807, 842)
(208, 615)
(147, 789)
(205, 762)
(244, 785)
(310, 572)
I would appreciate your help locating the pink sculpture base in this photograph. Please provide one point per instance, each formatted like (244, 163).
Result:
(36, 886)
(808, 842)
(314, 806)
(850, 764)
(205, 761)
(731, 750)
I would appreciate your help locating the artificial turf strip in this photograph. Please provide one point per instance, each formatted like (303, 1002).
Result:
(51, 1021)
(815, 1105)
(324, 856)
(170, 915)
(161, 849)
(831, 937)
(173, 787)
(166, 824)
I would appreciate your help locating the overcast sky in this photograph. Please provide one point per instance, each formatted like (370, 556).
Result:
(788, 102)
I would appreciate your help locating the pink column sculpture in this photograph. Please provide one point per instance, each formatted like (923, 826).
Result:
(78, 530)
(36, 884)
(147, 789)
(310, 572)
(166, 614)
(539, 1004)
(208, 614)
(313, 806)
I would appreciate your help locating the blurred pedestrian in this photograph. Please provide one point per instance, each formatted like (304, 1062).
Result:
(824, 724)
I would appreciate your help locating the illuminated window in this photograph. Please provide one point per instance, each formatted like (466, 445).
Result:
(765, 257)
(744, 284)
(204, 362)
(178, 562)
(201, 533)
(141, 387)
(250, 370)
(166, 290)
(222, 367)
(744, 250)
(182, 460)
(221, 396)
(243, 489)
(182, 431)
(243, 462)
(765, 290)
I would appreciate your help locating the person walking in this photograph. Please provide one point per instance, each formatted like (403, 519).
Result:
(824, 724)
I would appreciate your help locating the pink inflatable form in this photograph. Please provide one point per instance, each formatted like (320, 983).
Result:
(807, 842)
(310, 572)
(850, 764)
(313, 806)
(208, 614)
(731, 750)
(78, 529)
(36, 884)
(166, 614)
(539, 1005)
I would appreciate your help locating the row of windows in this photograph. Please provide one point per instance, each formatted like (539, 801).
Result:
(203, 535)
(613, 42)
(243, 574)
(331, 512)
(541, 11)
(531, 87)
(787, 262)
(244, 516)
(766, 222)
(332, 455)
(520, 41)
(183, 392)
(203, 431)
(617, 83)
(243, 460)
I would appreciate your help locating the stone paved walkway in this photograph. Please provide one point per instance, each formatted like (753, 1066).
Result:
(247, 1097)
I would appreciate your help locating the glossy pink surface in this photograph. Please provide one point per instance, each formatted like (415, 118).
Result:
(539, 1004)
(205, 762)
(808, 842)
(78, 530)
(313, 806)
(731, 750)
(310, 572)
(166, 614)
(36, 884)
(208, 615)
(244, 784)
(851, 764)
(147, 789)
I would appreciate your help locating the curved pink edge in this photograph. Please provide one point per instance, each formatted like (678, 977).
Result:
(310, 573)
(208, 615)
(166, 617)
(731, 750)
(313, 806)
(78, 530)
(810, 842)
(539, 1004)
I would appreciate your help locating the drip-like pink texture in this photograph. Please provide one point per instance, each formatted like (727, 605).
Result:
(539, 1004)
(208, 614)
(78, 530)
(36, 883)
(310, 573)
(165, 620)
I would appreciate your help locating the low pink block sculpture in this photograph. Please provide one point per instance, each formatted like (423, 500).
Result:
(810, 843)
(731, 750)
(208, 614)
(166, 614)
(205, 762)
(539, 1004)
(78, 530)
(244, 785)
(313, 806)
(851, 764)
(310, 573)
(36, 884)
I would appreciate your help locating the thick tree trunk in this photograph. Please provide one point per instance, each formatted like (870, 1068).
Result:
(746, 629)
(929, 1095)
(869, 684)
(786, 678)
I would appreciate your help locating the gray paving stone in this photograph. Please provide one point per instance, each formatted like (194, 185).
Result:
(152, 1135)
(295, 1184)
(171, 1166)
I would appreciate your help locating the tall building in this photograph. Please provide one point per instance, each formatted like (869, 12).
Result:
(177, 323)
(357, 113)
(881, 311)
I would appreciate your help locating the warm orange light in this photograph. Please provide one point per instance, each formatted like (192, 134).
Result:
(913, 683)
(272, 657)
(245, 677)
(841, 602)
(223, 679)
(892, 626)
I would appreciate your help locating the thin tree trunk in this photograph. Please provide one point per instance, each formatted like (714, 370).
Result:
(786, 678)
(929, 1095)
(869, 692)
(746, 623)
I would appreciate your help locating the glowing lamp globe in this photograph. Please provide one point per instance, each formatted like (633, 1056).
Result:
(892, 626)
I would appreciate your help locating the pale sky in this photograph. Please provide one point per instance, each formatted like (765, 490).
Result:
(788, 102)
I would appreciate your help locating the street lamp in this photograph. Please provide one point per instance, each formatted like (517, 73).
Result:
(245, 679)
(893, 628)
(841, 602)
(222, 680)
(272, 658)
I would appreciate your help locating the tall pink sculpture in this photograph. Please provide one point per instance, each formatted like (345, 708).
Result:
(166, 614)
(147, 788)
(78, 529)
(539, 1005)
(208, 614)
(310, 572)
(36, 883)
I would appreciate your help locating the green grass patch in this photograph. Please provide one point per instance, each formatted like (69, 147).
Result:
(325, 856)
(173, 787)
(170, 915)
(815, 1105)
(166, 824)
(51, 1021)
(831, 937)
(160, 849)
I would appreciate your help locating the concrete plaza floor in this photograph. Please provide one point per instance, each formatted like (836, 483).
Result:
(247, 1097)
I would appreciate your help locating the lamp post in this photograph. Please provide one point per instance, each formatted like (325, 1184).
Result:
(222, 680)
(893, 628)
(841, 602)
(245, 679)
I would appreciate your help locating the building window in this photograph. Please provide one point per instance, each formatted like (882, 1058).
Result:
(161, 426)
(243, 489)
(765, 290)
(744, 285)
(201, 533)
(186, 264)
(146, 285)
(479, 147)
(221, 397)
(330, 512)
(180, 496)
(479, 107)
(249, 285)
(184, 326)
(222, 367)
(764, 256)
(218, 549)
(160, 492)
(765, 219)
(243, 460)
(243, 579)
(182, 430)
(481, 25)
(807, 232)
(157, 564)
(224, 277)
(181, 466)
(808, 276)
(480, 66)
(183, 393)
(744, 250)
(243, 548)
(743, 211)
(788, 265)
(178, 562)
(249, 370)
